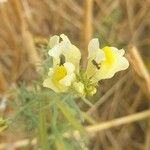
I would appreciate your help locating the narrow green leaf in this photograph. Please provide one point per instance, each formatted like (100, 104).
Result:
(43, 128)
(88, 118)
(70, 117)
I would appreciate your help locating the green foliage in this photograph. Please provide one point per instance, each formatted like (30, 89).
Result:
(48, 114)
(54, 114)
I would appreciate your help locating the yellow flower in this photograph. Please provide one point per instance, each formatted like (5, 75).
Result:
(63, 51)
(104, 63)
(66, 73)
(60, 77)
(95, 56)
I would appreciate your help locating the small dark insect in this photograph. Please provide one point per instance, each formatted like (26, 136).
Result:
(95, 64)
(62, 59)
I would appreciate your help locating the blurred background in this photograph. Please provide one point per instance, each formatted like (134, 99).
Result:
(26, 24)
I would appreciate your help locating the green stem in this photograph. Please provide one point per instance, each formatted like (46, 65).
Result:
(70, 116)
(87, 102)
(42, 128)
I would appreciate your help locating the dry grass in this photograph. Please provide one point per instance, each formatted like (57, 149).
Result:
(27, 23)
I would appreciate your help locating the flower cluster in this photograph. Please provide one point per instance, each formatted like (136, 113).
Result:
(66, 73)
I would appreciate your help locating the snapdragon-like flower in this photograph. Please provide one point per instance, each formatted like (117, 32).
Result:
(60, 77)
(66, 74)
(62, 50)
(104, 63)
(66, 60)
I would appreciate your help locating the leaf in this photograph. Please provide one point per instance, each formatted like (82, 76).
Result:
(43, 128)
(70, 117)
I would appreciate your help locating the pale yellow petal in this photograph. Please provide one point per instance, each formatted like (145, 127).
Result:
(64, 38)
(67, 80)
(51, 71)
(73, 55)
(100, 56)
(114, 62)
(55, 52)
(70, 52)
(91, 69)
(93, 47)
(95, 56)
(69, 67)
(54, 40)
(49, 84)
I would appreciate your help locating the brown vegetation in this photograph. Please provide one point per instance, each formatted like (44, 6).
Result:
(25, 24)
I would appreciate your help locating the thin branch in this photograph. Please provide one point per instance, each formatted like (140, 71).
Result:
(120, 121)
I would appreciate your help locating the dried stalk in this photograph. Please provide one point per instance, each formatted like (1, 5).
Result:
(11, 32)
(87, 27)
(3, 83)
(27, 39)
(140, 69)
(143, 82)
(120, 121)
(96, 128)
(107, 95)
